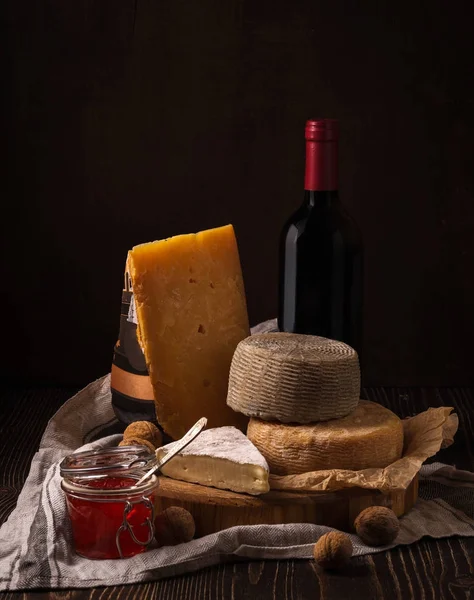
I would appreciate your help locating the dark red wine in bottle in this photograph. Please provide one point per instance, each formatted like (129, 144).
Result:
(321, 255)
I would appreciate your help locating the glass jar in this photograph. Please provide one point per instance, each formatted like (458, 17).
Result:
(111, 517)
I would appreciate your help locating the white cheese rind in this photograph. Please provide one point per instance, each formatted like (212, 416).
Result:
(222, 457)
(370, 437)
(293, 378)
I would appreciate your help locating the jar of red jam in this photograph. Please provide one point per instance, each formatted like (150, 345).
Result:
(111, 516)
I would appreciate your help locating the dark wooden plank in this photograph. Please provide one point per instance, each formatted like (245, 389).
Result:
(429, 569)
(130, 120)
(24, 414)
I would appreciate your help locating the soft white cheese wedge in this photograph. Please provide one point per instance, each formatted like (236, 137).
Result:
(223, 458)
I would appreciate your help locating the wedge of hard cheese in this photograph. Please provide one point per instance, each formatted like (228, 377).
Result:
(192, 313)
(223, 458)
(370, 437)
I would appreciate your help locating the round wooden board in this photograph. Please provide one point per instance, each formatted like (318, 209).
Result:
(214, 510)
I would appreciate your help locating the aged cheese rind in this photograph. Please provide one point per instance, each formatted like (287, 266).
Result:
(192, 313)
(370, 437)
(223, 458)
(294, 378)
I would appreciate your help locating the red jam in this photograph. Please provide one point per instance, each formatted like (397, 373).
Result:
(96, 519)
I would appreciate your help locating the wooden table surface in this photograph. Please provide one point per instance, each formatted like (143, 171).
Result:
(429, 569)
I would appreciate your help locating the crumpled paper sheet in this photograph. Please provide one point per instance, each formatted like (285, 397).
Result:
(424, 435)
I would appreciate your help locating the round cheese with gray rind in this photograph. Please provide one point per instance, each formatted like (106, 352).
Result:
(370, 437)
(293, 378)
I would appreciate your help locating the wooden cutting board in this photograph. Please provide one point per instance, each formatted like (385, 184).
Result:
(214, 510)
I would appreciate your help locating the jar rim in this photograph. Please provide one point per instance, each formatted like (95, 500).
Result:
(74, 486)
(119, 460)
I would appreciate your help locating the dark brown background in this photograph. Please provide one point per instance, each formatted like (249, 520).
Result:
(132, 120)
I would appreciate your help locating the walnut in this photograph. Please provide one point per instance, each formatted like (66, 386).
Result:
(377, 526)
(138, 442)
(144, 430)
(174, 525)
(333, 550)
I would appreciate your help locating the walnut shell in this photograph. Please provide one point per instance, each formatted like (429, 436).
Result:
(377, 526)
(174, 525)
(144, 430)
(138, 442)
(333, 550)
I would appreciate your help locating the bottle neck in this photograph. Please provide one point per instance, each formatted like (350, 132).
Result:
(321, 199)
(321, 166)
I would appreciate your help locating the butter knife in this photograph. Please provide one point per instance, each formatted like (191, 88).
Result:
(179, 445)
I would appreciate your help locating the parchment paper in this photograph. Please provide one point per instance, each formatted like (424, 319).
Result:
(424, 435)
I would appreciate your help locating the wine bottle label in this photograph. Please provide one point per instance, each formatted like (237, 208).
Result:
(128, 354)
(132, 311)
(132, 392)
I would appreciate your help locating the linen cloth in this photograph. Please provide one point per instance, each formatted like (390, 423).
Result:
(36, 540)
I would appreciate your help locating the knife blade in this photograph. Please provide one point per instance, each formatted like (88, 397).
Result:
(180, 444)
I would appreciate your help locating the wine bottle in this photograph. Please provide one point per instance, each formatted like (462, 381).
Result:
(130, 385)
(321, 254)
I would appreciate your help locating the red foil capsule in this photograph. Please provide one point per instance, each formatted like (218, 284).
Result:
(321, 155)
(111, 517)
